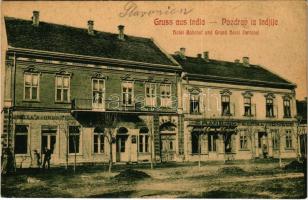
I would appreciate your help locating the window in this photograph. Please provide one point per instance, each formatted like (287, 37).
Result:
(275, 139)
(243, 141)
(150, 94)
(74, 139)
(127, 93)
(289, 139)
(31, 91)
(143, 143)
(194, 142)
(165, 95)
(212, 138)
(98, 142)
(122, 149)
(247, 106)
(286, 108)
(98, 90)
(269, 108)
(62, 88)
(21, 139)
(194, 104)
(225, 105)
(49, 134)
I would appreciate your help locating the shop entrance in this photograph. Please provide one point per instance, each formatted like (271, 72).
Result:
(168, 141)
(49, 140)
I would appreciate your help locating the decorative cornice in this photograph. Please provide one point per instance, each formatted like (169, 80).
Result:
(226, 92)
(247, 94)
(270, 96)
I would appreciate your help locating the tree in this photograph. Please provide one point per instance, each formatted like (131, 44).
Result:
(109, 121)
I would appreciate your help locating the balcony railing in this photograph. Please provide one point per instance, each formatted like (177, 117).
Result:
(115, 105)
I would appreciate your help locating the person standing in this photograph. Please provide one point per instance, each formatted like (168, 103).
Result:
(37, 158)
(47, 157)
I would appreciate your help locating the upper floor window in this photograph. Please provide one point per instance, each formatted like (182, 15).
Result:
(286, 108)
(269, 107)
(194, 103)
(150, 94)
(62, 88)
(127, 93)
(289, 139)
(31, 86)
(98, 90)
(247, 106)
(225, 105)
(21, 139)
(165, 95)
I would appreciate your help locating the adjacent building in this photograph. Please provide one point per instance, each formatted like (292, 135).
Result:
(78, 90)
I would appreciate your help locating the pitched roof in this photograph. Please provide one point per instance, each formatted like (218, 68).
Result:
(66, 39)
(230, 72)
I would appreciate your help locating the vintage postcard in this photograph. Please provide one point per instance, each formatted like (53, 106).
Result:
(154, 99)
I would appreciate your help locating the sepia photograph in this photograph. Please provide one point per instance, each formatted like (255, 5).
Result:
(154, 99)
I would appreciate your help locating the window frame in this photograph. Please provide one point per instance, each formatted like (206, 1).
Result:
(143, 141)
(27, 139)
(103, 92)
(275, 139)
(166, 98)
(62, 88)
(286, 107)
(243, 141)
(193, 100)
(49, 135)
(151, 95)
(100, 144)
(127, 93)
(288, 139)
(249, 105)
(80, 141)
(225, 102)
(269, 104)
(31, 86)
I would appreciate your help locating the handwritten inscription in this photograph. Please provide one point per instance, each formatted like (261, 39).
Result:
(131, 9)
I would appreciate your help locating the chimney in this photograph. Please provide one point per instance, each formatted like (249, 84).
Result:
(121, 32)
(246, 61)
(35, 18)
(91, 27)
(237, 60)
(199, 55)
(206, 55)
(182, 52)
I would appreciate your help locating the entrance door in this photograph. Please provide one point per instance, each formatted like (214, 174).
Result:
(49, 140)
(121, 150)
(263, 144)
(168, 147)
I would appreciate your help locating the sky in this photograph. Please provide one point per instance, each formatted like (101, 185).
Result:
(279, 46)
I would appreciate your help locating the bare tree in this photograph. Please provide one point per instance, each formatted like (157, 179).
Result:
(109, 120)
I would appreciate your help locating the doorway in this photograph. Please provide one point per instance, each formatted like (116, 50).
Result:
(49, 140)
(263, 144)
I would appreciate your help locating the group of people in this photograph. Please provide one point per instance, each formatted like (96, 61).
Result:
(46, 160)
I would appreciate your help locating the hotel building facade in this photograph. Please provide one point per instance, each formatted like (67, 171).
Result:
(67, 88)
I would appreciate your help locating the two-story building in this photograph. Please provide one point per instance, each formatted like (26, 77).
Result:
(65, 87)
(235, 110)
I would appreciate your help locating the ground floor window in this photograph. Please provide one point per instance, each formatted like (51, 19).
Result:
(21, 139)
(74, 139)
(143, 143)
(48, 137)
(195, 143)
(288, 139)
(212, 139)
(243, 141)
(275, 139)
(98, 141)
